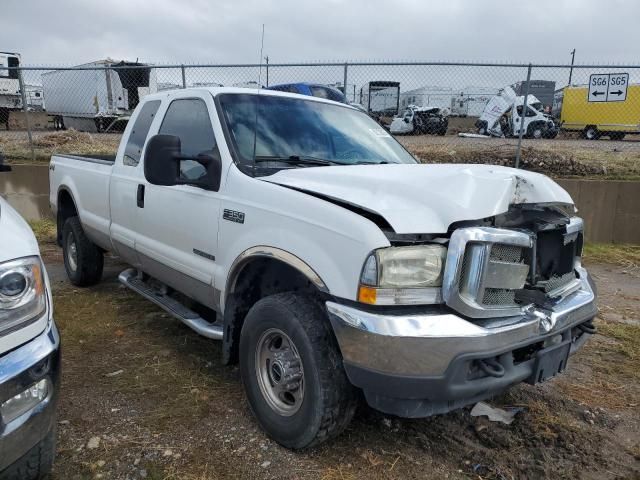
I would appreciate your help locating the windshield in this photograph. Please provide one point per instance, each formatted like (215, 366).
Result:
(305, 129)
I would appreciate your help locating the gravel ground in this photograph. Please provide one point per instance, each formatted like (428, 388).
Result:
(145, 397)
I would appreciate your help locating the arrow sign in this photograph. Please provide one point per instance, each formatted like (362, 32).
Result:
(608, 87)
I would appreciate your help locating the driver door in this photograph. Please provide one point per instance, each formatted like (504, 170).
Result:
(179, 223)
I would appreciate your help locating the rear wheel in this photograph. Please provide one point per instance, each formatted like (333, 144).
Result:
(83, 260)
(591, 133)
(616, 135)
(292, 371)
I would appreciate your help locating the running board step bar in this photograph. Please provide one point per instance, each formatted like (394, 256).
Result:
(130, 279)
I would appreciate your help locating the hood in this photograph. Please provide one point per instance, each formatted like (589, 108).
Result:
(423, 198)
(16, 238)
(398, 125)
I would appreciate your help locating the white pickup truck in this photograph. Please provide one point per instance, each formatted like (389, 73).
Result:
(29, 353)
(327, 259)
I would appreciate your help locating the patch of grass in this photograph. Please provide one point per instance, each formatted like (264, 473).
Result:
(68, 141)
(616, 368)
(546, 422)
(628, 336)
(44, 230)
(558, 161)
(627, 256)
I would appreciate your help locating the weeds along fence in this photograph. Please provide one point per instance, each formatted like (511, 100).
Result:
(429, 103)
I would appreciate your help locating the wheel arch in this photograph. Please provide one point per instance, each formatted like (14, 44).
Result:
(256, 273)
(66, 208)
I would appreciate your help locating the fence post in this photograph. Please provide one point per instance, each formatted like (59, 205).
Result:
(523, 116)
(184, 77)
(344, 84)
(26, 113)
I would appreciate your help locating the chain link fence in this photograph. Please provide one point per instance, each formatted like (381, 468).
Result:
(551, 118)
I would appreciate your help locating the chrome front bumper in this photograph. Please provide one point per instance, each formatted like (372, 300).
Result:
(19, 369)
(426, 344)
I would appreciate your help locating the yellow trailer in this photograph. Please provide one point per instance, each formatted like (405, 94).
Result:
(595, 119)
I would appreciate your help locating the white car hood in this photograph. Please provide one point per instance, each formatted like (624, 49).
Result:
(16, 238)
(398, 125)
(419, 198)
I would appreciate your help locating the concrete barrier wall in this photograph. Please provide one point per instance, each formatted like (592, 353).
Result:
(611, 209)
(26, 188)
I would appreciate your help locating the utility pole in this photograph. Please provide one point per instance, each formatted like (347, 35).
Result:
(267, 60)
(573, 57)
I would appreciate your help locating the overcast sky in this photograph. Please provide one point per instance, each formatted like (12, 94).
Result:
(71, 32)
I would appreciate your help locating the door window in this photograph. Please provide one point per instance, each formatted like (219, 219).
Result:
(189, 120)
(139, 132)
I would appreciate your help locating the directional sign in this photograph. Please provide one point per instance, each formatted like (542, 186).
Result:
(608, 87)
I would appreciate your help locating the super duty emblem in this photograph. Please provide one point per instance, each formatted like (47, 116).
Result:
(233, 216)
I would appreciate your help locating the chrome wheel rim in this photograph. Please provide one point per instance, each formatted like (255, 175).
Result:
(279, 372)
(72, 252)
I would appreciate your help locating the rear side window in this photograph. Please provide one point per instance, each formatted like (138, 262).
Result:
(328, 93)
(189, 120)
(138, 135)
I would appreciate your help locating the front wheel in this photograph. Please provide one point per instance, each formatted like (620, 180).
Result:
(292, 371)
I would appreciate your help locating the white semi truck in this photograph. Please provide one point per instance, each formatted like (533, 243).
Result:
(10, 98)
(97, 96)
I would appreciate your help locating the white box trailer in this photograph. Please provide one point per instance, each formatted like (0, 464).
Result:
(381, 98)
(10, 98)
(99, 98)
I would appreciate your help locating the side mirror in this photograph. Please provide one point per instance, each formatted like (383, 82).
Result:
(162, 164)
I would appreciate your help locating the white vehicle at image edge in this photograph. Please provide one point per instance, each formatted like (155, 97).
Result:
(327, 259)
(29, 353)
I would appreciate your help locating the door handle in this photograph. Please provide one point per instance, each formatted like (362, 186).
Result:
(140, 196)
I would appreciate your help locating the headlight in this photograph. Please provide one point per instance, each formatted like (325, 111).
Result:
(22, 292)
(403, 275)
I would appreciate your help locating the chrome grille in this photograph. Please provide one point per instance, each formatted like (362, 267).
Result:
(499, 296)
(488, 266)
(506, 253)
(558, 281)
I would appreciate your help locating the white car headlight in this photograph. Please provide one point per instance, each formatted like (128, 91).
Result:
(403, 275)
(22, 293)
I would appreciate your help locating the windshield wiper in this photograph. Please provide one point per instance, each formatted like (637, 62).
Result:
(297, 160)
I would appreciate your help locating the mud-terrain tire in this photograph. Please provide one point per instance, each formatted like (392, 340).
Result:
(83, 260)
(36, 464)
(328, 400)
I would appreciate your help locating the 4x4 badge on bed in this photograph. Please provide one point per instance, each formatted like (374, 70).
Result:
(233, 216)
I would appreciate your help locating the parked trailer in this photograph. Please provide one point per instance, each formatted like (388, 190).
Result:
(597, 119)
(96, 100)
(381, 98)
(10, 99)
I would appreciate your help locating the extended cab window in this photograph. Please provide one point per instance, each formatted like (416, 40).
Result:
(189, 120)
(138, 135)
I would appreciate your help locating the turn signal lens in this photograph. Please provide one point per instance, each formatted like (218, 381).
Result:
(367, 295)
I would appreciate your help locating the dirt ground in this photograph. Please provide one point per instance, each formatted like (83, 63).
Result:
(145, 397)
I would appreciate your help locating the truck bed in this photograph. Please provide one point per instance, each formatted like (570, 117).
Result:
(108, 159)
(85, 179)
